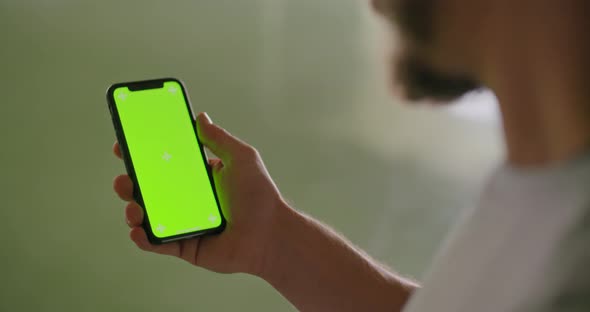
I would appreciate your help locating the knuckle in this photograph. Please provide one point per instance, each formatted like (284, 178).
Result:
(250, 152)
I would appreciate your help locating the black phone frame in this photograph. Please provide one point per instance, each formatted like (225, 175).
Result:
(153, 84)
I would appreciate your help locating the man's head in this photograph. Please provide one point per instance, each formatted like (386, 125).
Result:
(533, 54)
(436, 35)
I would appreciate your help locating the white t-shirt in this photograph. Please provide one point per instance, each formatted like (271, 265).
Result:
(525, 248)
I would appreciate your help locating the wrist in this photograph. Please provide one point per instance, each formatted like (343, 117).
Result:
(277, 241)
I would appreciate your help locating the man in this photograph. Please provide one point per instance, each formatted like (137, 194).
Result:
(523, 249)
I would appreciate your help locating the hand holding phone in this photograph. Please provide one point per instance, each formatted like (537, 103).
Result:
(246, 194)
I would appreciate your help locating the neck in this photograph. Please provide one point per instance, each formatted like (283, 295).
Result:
(540, 81)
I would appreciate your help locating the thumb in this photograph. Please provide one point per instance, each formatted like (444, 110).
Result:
(217, 139)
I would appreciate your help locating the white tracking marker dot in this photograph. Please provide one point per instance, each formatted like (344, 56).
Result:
(172, 89)
(212, 218)
(122, 96)
(161, 228)
(167, 156)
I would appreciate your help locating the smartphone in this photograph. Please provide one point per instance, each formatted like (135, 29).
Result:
(156, 130)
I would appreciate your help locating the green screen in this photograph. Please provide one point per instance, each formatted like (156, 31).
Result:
(168, 164)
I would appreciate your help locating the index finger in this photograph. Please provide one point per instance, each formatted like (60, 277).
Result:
(117, 150)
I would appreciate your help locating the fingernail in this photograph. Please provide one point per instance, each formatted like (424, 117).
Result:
(207, 118)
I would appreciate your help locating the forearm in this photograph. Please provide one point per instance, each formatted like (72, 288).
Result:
(318, 270)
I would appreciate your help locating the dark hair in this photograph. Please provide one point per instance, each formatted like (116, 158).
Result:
(422, 81)
(415, 17)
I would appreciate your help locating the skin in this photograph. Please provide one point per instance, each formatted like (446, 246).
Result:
(532, 54)
(264, 235)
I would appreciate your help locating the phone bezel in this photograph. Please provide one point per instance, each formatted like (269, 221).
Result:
(142, 85)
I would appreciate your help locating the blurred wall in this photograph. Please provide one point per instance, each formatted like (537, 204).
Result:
(302, 80)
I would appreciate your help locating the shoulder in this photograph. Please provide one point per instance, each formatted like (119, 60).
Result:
(568, 272)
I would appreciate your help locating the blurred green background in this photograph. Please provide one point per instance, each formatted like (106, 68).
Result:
(302, 80)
